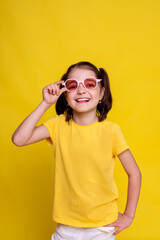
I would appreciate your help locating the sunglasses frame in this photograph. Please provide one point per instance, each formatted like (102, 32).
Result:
(82, 81)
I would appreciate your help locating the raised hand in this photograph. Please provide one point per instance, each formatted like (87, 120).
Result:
(52, 92)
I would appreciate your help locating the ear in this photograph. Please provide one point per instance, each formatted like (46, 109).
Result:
(102, 90)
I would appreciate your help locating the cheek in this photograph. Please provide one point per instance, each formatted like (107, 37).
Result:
(97, 95)
(101, 93)
(68, 96)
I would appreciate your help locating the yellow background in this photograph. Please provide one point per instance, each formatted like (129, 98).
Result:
(39, 41)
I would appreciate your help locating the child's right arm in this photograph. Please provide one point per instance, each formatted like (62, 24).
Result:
(28, 132)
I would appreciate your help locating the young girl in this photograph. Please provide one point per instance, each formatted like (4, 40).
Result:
(85, 146)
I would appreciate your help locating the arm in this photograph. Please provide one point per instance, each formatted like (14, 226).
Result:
(134, 183)
(28, 132)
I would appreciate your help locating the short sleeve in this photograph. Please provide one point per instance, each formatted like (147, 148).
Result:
(119, 143)
(50, 125)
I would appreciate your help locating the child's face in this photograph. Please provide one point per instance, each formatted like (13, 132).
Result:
(83, 100)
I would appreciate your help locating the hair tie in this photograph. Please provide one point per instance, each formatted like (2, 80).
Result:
(98, 69)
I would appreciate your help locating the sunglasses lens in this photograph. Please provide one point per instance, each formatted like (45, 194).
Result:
(90, 83)
(71, 85)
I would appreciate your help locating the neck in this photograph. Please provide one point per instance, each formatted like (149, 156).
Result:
(84, 118)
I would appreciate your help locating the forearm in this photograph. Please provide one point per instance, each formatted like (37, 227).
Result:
(24, 132)
(134, 185)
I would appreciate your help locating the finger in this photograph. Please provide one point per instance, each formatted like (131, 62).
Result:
(112, 225)
(45, 89)
(52, 91)
(117, 231)
(55, 89)
(62, 90)
(48, 89)
(59, 82)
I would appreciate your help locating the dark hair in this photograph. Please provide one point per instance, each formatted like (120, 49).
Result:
(106, 103)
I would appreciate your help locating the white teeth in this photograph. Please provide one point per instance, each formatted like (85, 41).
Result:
(82, 99)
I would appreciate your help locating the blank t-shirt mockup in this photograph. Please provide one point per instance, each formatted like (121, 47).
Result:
(85, 192)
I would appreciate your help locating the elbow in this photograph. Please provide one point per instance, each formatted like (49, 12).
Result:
(136, 174)
(16, 141)
(140, 175)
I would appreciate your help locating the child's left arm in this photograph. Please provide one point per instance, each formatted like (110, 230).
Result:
(134, 183)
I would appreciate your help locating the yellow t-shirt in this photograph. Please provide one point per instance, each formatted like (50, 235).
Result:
(85, 192)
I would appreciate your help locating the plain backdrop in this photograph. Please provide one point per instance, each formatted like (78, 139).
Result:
(39, 41)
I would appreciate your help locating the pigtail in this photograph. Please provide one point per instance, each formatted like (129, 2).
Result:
(105, 104)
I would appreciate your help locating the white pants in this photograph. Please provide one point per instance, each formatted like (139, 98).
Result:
(65, 232)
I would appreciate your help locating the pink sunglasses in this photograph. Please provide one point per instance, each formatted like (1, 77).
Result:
(89, 83)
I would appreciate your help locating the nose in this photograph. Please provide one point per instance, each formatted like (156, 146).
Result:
(81, 89)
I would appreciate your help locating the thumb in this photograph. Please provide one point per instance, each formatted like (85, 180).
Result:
(62, 90)
(111, 225)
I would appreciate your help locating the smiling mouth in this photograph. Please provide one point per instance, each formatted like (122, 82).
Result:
(82, 100)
